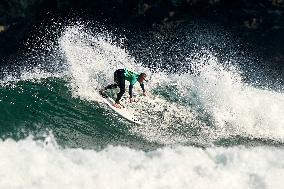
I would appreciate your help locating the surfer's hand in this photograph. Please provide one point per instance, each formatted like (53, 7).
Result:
(145, 94)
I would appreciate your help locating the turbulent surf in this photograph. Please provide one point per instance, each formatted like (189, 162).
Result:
(204, 124)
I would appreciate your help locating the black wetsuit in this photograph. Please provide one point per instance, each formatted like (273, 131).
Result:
(120, 76)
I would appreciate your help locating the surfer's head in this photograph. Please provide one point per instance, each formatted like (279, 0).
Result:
(141, 77)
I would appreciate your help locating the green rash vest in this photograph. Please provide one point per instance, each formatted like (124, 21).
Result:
(131, 76)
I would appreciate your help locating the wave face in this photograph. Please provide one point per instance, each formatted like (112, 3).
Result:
(203, 125)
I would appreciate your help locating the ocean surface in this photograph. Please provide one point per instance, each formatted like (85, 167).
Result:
(205, 126)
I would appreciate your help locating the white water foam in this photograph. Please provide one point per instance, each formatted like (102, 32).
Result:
(38, 165)
(92, 61)
(35, 74)
(214, 100)
(238, 108)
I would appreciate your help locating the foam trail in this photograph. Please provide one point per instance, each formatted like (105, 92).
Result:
(31, 164)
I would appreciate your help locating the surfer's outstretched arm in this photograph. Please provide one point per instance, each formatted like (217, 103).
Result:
(143, 89)
(130, 91)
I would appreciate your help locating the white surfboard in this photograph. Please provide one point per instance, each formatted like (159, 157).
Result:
(122, 111)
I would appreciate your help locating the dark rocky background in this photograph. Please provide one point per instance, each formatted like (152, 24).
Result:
(257, 23)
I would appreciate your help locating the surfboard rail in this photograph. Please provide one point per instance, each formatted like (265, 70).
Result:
(123, 111)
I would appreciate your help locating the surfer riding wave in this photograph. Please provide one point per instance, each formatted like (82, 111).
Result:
(120, 76)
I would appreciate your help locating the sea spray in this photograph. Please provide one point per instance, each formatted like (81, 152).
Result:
(204, 126)
(209, 103)
(205, 105)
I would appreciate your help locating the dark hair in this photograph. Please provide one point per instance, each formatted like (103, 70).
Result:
(142, 74)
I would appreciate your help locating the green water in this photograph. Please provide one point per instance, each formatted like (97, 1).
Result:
(35, 108)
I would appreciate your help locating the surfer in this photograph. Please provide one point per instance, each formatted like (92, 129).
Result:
(120, 76)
